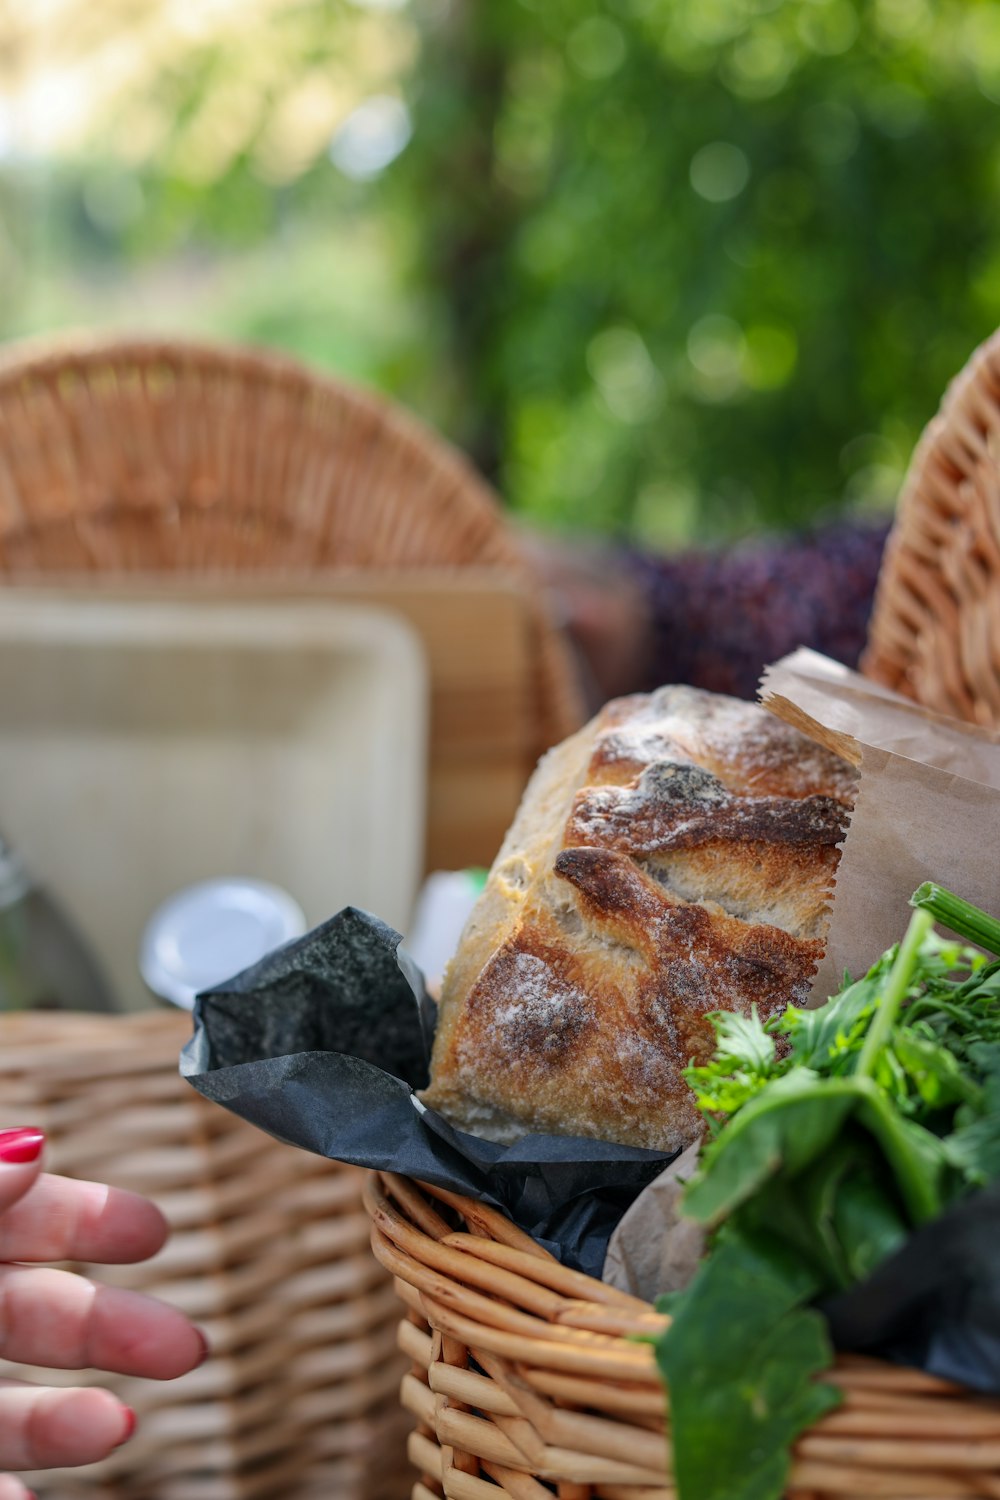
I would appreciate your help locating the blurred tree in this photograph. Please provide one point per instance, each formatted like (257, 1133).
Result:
(704, 264)
(669, 269)
(207, 166)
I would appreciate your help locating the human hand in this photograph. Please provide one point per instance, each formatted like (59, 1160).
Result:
(64, 1322)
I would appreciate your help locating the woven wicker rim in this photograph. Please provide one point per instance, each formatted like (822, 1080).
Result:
(935, 629)
(524, 1371)
(144, 455)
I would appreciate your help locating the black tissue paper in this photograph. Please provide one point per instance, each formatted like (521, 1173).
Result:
(322, 1044)
(935, 1303)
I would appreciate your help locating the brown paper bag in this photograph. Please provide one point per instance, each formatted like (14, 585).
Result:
(928, 805)
(653, 1250)
(928, 808)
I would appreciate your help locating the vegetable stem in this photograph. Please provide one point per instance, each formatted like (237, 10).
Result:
(896, 985)
(959, 916)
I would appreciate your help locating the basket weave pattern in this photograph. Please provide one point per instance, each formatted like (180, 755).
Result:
(143, 457)
(269, 1253)
(173, 458)
(935, 631)
(528, 1378)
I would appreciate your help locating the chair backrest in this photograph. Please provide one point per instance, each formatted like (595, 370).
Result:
(136, 466)
(124, 461)
(935, 630)
(122, 457)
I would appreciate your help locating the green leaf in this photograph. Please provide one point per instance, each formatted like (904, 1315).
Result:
(974, 1148)
(739, 1361)
(793, 1212)
(834, 1031)
(916, 1156)
(790, 1124)
(868, 1222)
(745, 1061)
(840, 1218)
(828, 1159)
(785, 1127)
(743, 1041)
(934, 1069)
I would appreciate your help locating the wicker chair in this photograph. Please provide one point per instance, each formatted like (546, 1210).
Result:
(131, 458)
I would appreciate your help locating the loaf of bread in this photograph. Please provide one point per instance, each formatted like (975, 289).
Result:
(674, 857)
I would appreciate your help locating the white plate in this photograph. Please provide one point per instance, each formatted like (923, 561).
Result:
(145, 745)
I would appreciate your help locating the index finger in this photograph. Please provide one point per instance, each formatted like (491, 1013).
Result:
(20, 1159)
(59, 1219)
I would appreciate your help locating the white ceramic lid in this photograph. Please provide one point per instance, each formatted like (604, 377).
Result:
(209, 932)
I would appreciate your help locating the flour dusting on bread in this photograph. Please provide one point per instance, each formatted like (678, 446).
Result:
(674, 857)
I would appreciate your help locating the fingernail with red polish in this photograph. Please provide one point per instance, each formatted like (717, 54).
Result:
(20, 1146)
(129, 1418)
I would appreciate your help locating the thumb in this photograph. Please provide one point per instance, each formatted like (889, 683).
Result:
(20, 1162)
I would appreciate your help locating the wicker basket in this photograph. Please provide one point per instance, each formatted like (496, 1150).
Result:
(527, 1377)
(137, 457)
(935, 632)
(269, 1253)
(147, 457)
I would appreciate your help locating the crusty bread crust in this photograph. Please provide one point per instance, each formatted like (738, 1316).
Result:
(675, 857)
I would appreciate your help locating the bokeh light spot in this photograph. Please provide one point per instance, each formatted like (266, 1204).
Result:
(716, 348)
(830, 28)
(759, 64)
(666, 512)
(596, 47)
(371, 137)
(624, 373)
(719, 171)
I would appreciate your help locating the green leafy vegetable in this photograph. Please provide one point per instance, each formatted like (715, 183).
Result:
(746, 1305)
(961, 916)
(832, 1135)
(974, 1148)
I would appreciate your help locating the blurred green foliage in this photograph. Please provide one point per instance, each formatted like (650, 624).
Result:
(708, 265)
(669, 269)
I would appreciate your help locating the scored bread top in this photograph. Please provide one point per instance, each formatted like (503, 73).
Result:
(674, 857)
